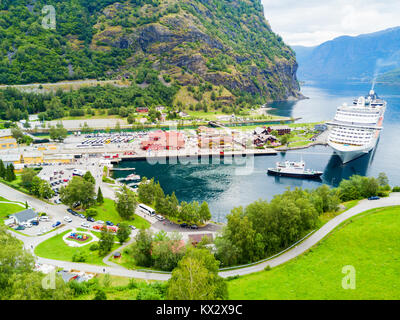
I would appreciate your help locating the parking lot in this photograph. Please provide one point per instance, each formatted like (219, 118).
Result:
(60, 175)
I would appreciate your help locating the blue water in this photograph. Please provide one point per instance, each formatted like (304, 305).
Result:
(224, 188)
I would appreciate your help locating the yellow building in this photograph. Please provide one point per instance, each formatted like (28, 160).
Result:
(58, 158)
(6, 140)
(32, 158)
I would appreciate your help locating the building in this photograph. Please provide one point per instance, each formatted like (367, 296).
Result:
(282, 130)
(10, 159)
(160, 140)
(142, 109)
(262, 139)
(215, 142)
(32, 158)
(58, 158)
(25, 216)
(7, 140)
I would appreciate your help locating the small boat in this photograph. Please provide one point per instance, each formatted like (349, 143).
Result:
(132, 177)
(294, 170)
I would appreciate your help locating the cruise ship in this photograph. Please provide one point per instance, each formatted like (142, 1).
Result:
(355, 130)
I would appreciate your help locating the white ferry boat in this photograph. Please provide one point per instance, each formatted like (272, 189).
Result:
(356, 129)
(294, 170)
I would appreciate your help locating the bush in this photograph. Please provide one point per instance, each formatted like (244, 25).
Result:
(78, 257)
(94, 247)
(42, 214)
(396, 189)
(267, 268)
(383, 194)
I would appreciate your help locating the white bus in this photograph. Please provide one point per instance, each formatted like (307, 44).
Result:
(147, 209)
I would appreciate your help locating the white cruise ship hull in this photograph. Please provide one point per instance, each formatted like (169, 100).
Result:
(349, 153)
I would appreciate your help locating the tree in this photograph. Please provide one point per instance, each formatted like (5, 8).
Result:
(196, 278)
(18, 135)
(126, 203)
(89, 177)
(2, 169)
(58, 132)
(27, 176)
(141, 248)
(106, 241)
(204, 212)
(18, 281)
(78, 190)
(99, 198)
(123, 233)
(383, 180)
(10, 174)
(45, 190)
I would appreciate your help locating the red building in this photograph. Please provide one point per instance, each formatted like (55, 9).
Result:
(161, 140)
(142, 109)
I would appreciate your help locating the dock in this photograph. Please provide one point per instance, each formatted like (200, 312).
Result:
(122, 169)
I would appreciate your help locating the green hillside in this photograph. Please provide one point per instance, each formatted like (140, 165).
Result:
(201, 45)
(369, 242)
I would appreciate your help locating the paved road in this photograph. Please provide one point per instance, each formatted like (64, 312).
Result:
(31, 242)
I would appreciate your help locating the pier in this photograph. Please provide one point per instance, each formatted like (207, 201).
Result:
(122, 169)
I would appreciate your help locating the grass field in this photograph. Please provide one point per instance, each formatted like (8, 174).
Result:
(55, 248)
(369, 242)
(107, 212)
(8, 208)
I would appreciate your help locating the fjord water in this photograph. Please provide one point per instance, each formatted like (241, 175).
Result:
(223, 188)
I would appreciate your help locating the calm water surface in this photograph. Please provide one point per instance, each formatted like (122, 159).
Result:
(223, 188)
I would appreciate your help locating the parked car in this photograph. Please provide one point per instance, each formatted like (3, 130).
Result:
(35, 223)
(82, 216)
(374, 198)
(160, 218)
(90, 219)
(184, 225)
(109, 223)
(56, 224)
(85, 225)
(67, 219)
(132, 227)
(97, 227)
(44, 218)
(100, 222)
(194, 226)
(20, 227)
(72, 212)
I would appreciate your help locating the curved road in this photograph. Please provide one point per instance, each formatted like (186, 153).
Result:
(31, 242)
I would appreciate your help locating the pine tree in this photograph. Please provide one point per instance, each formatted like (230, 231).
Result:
(2, 170)
(100, 199)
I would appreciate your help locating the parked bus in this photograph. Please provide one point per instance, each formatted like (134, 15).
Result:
(147, 209)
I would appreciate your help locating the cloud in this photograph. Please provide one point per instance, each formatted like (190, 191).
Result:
(311, 22)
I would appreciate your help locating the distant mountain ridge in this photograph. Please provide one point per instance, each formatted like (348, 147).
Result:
(351, 58)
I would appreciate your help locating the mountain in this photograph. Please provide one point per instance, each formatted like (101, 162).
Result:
(197, 45)
(351, 58)
(391, 77)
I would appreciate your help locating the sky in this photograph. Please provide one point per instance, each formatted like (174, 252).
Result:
(311, 22)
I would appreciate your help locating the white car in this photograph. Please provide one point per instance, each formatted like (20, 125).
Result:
(160, 218)
(44, 218)
(67, 219)
(99, 222)
(85, 225)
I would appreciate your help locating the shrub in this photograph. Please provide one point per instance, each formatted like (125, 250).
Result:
(383, 193)
(78, 257)
(94, 247)
(396, 189)
(267, 268)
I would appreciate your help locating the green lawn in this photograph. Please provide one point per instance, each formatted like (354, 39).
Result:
(107, 212)
(8, 208)
(55, 248)
(369, 242)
